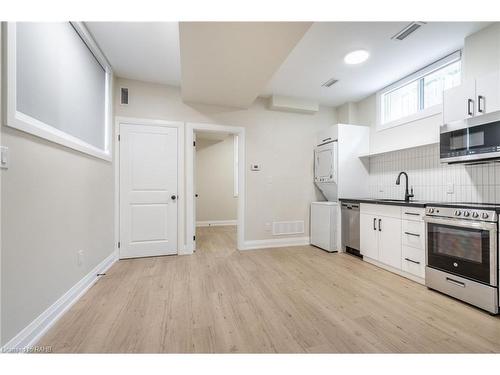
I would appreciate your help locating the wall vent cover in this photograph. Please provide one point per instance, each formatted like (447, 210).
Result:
(124, 96)
(409, 29)
(288, 227)
(330, 82)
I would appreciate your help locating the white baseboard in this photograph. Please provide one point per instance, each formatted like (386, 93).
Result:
(31, 334)
(276, 242)
(213, 223)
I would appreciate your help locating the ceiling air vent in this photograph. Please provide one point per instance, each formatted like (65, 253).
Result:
(411, 28)
(330, 82)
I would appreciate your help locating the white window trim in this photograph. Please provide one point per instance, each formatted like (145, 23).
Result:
(421, 114)
(21, 121)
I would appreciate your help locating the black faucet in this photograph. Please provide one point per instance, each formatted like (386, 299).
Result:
(407, 194)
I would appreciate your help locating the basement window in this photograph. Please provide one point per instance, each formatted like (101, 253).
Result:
(419, 95)
(59, 85)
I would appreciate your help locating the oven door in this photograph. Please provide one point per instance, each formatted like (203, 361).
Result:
(463, 248)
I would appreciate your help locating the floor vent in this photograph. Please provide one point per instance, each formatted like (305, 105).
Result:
(288, 227)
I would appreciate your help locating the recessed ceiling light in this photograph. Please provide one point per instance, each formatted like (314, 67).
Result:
(356, 57)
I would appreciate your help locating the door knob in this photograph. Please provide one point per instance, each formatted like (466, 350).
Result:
(173, 197)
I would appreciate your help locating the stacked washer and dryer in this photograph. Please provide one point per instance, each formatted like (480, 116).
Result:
(340, 171)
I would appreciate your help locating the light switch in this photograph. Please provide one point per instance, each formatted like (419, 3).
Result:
(4, 157)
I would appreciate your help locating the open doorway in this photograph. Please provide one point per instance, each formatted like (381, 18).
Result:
(216, 191)
(215, 185)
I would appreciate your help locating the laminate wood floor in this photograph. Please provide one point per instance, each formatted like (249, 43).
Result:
(296, 299)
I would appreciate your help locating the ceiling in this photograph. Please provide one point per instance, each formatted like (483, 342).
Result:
(319, 57)
(145, 51)
(230, 63)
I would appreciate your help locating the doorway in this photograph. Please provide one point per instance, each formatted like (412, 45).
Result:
(215, 199)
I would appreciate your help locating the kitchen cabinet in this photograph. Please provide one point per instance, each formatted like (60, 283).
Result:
(473, 98)
(458, 102)
(390, 241)
(368, 235)
(488, 94)
(380, 233)
(393, 237)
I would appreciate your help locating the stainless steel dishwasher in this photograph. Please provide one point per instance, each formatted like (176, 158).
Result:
(350, 227)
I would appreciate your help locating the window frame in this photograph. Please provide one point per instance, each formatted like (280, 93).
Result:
(21, 121)
(419, 75)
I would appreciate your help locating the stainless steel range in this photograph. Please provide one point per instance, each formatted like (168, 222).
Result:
(462, 253)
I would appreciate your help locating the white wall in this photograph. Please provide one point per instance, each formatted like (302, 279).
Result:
(215, 180)
(281, 141)
(56, 201)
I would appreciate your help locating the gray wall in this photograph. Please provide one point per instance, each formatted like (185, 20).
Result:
(55, 201)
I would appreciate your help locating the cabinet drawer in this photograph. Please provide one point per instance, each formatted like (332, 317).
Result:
(413, 234)
(413, 261)
(412, 213)
(381, 210)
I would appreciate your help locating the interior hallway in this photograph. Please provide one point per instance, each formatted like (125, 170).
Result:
(297, 299)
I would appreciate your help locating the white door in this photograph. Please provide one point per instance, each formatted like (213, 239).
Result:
(148, 190)
(459, 102)
(368, 235)
(390, 241)
(488, 94)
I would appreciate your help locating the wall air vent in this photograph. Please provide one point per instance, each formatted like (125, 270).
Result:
(330, 82)
(288, 227)
(408, 30)
(124, 96)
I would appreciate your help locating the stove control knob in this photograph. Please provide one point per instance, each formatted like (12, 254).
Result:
(485, 215)
(466, 213)
(431, 210)
(475, 215)
(457, 213)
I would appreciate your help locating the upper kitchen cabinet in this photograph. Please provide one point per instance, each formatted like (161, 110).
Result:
(458, 102)
(488, 94)
(473, 98)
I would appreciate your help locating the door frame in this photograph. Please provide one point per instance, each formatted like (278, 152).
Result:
(191, 127)
(180, 173)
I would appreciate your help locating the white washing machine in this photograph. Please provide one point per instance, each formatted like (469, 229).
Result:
(324, 225)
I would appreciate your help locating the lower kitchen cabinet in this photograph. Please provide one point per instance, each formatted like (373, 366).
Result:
(380, 237)
(390, 242)
(392, 237)
(368, 235)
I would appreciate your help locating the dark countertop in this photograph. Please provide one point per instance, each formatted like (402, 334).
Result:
(478, 206)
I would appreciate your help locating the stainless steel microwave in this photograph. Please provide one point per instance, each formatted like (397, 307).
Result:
(469, 142)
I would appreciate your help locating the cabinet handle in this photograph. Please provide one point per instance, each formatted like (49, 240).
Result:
(469, 110)
(412, 234)
(480, 98)
(379, 227)
(412, 213)
(374, 223)
(411, 260)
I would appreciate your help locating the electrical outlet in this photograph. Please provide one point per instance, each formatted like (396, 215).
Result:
(450, 189)
(79, 256)
(267, 227)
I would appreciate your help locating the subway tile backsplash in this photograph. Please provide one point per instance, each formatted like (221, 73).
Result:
(431, 180)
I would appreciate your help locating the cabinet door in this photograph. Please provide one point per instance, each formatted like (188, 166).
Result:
(368, 235)
(488, 94)
(390, 242)
(459, 102)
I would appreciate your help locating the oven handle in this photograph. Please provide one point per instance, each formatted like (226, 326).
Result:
(462, 223)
